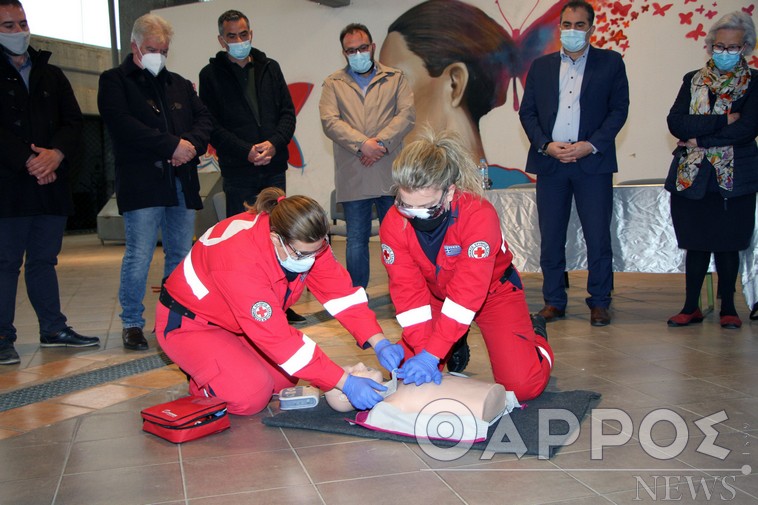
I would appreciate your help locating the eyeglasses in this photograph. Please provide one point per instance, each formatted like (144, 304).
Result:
(300, 255)
(361, 49)
(433, 211)
(733, 49)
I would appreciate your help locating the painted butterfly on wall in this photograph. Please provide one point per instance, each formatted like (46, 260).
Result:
(299, 92)
(540, 38)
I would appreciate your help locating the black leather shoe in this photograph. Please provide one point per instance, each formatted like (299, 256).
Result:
(599, 316)
(539, 324)
(67, 337)
(134, 339)
(9, 356)
(460, 356)
(294, 318)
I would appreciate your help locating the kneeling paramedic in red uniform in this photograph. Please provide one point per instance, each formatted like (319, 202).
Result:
(449, 265)
(221, 315)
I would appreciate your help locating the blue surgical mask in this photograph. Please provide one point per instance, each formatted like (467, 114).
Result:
(240, 50)
(15, 43)
(360, 62)
(573, 40)
(725, 61)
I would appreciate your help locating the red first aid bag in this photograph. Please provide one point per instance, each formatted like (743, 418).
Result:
(186, 419)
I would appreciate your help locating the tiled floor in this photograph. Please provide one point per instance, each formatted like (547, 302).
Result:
(87, 447)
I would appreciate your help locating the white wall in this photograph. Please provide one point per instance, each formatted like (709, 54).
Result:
(303, 37)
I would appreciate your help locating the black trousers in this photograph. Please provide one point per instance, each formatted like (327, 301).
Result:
(35, 242)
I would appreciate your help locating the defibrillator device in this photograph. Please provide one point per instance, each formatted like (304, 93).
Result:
(298, 397)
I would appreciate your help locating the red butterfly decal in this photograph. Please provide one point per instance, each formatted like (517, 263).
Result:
(618, 36)
(700, 10)
(660, 10)
(644, 8)
(697, 32)
(685, 18)
(299, 92)
(754, 62)
(620, 9)
(710, 14)
(749, 9)
(540, 38)
(688, 1)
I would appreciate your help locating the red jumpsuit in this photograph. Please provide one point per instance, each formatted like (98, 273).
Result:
(435, 304)
(239, 346)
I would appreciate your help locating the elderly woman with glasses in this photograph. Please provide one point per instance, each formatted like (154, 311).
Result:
(221, 315)
(449, 266)
(713, 177)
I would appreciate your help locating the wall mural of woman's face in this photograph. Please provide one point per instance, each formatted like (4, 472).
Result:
(429, 93)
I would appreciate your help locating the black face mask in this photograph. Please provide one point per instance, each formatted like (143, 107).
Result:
(427, 225)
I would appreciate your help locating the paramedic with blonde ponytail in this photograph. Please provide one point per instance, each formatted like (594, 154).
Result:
(221, 315)
(449, 266)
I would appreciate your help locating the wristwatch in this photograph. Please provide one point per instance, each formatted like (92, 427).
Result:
(543, 149)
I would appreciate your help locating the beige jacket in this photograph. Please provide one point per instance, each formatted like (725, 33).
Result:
(349, 118)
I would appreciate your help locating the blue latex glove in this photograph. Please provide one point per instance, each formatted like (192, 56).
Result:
(390, 355)
(361, 392)
(420, 369)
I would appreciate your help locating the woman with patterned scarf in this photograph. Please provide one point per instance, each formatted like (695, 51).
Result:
(713, 178)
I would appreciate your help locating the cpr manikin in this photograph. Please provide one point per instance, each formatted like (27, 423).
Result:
(460, 397)
(337, 399)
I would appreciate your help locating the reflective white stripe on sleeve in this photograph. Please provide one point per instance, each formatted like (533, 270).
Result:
(457, 313)
(301, 358)
(414, 316)
(198, 288)
(337, 305)
(546, 355)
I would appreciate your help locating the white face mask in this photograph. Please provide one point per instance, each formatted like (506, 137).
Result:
(293, 264)
(153, 62)
(15, 43)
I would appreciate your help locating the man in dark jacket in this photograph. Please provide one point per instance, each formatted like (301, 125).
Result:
(40, 126)
(159, 127)
(255, 117)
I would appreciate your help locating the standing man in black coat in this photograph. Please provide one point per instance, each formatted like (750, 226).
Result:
(159, 127)
(40, 126)
(255, 117)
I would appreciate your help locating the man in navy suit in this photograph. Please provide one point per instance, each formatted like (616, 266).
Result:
(575, 102)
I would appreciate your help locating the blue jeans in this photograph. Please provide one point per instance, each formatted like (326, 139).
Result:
(239, 190)
(34, 241)
(358, 221)
(177, 225)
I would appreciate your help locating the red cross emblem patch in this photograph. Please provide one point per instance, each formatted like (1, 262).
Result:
(388, 255)
(261, 311)
(479, 250)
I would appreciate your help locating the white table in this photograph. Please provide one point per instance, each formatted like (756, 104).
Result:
(642, 234)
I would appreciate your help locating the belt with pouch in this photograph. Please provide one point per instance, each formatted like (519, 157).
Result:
(168, 301)
(511, 275)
